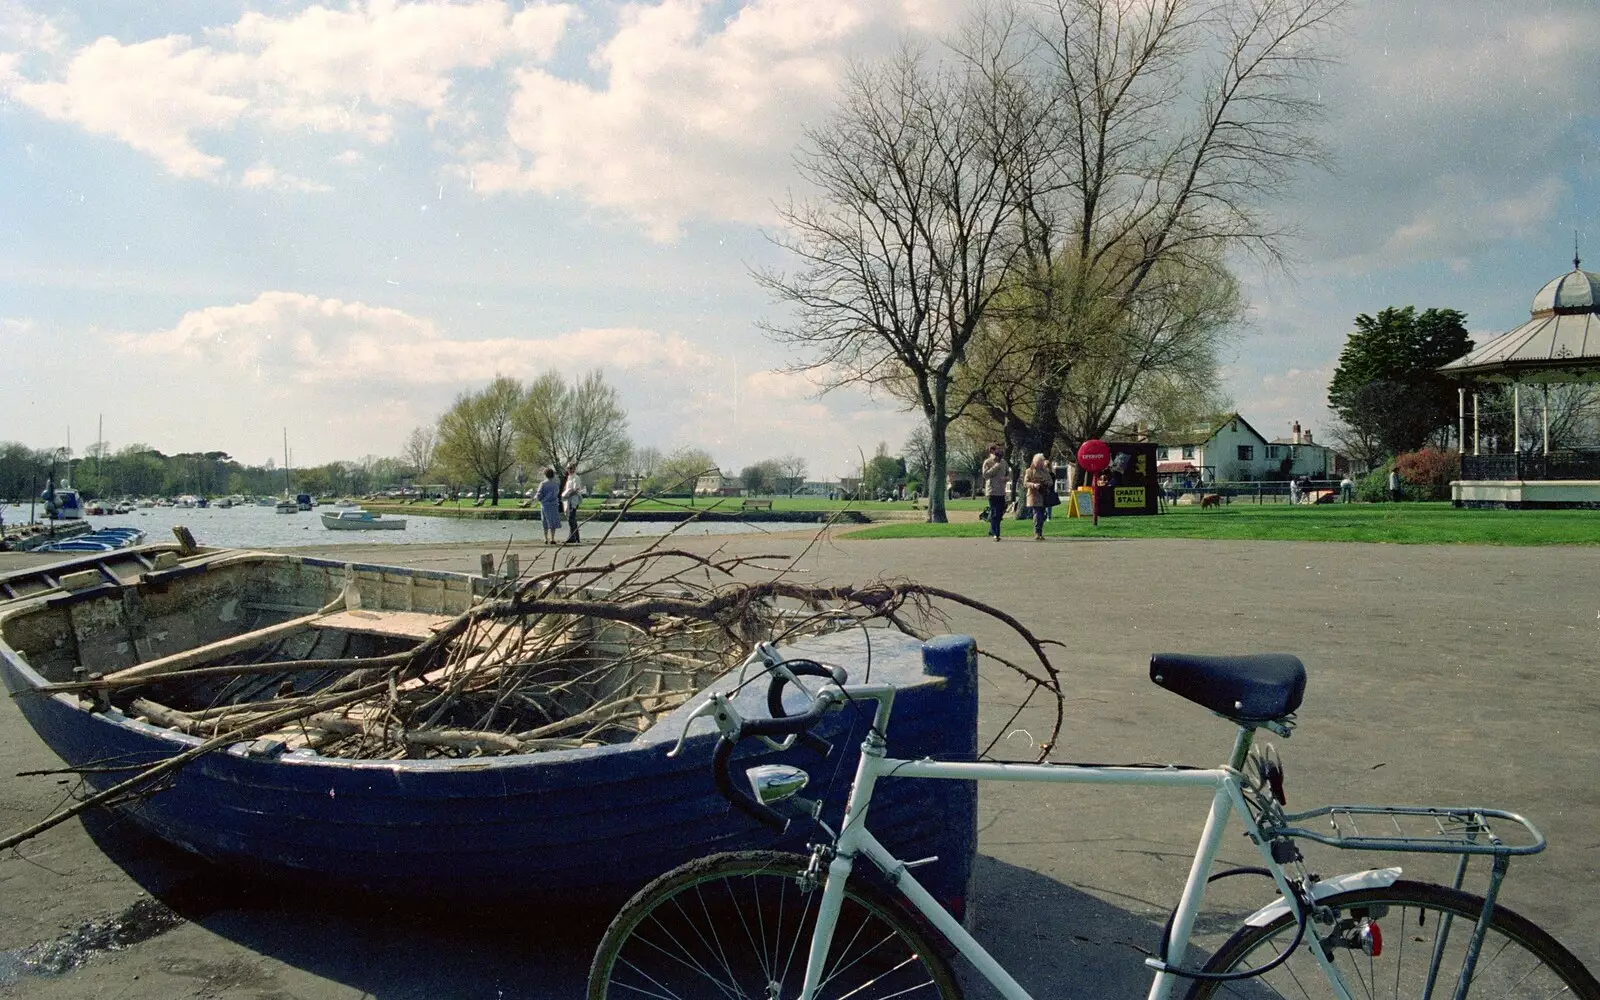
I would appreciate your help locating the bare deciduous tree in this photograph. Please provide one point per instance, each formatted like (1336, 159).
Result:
(581, 424)
(791, 475)
(643, 462)
(477, 435)
(679, 471)
(905, 243)
(418, 450)
(1171, 123)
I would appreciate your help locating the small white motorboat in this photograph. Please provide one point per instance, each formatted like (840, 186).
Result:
(357, 519)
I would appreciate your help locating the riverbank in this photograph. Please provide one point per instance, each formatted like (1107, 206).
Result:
(655, 513)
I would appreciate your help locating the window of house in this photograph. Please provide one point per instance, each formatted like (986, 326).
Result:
(1188, 451)
(1272, 451)
(1247, 452)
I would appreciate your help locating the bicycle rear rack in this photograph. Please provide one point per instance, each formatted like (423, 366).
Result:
(1463, 831)
(1423, 829)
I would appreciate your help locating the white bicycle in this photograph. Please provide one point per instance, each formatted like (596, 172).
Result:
(761, 925)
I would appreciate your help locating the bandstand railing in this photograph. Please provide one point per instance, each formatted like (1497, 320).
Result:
(1555, 466)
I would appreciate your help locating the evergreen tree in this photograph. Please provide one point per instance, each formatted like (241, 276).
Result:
(1387, 388)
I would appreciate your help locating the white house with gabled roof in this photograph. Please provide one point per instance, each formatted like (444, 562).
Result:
(1231, 450)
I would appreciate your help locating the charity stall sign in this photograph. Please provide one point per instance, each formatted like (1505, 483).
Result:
(1127, 484)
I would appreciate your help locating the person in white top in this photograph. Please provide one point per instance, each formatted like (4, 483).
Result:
(571, 497)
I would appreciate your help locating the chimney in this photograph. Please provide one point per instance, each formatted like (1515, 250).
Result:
(1308, 437)
(1294, 436)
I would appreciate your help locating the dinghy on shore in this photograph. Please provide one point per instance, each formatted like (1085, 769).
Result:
(124, 658)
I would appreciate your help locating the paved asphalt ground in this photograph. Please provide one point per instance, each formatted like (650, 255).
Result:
(1441, 675)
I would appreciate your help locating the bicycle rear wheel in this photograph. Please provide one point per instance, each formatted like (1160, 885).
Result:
(1384, 943)
(737, 926)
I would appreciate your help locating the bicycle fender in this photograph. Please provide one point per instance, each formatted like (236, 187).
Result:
(1373, 878)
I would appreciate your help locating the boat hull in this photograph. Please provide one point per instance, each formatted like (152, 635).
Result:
(337, 523)
(600, 821)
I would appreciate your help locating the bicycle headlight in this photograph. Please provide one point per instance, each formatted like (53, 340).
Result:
(775, 782)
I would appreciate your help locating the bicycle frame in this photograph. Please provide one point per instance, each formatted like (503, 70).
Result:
(854, 840)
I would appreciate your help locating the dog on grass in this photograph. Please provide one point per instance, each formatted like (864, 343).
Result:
(1211, 500)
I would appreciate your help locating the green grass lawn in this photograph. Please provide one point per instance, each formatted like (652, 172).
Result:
(778, 503)
(1406, 523)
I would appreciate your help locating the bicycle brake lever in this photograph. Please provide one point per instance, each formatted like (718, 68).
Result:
(716, 706)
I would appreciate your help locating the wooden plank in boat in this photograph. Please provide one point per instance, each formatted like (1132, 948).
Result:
(406, 624)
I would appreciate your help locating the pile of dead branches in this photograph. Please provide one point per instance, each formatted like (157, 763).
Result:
(575, 655)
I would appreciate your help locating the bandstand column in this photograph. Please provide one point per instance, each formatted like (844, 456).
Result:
(1516, 418)
(1547, 418)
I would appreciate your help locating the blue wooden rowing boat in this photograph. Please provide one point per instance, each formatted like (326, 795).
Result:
(599, 821)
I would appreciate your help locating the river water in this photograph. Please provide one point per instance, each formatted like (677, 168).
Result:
(262, 527)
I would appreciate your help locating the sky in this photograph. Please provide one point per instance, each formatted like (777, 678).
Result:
(226, 222)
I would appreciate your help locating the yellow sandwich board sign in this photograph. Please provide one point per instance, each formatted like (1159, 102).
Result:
(1082, 503)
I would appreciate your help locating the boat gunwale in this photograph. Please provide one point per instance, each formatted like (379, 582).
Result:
(663, 731)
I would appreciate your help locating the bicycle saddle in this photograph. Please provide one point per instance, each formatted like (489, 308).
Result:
(1253, 688)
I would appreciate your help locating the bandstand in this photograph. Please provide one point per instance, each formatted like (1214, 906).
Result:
(1560, 343)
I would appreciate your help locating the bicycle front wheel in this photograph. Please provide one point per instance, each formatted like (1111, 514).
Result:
(1408, 940)
(738, 927)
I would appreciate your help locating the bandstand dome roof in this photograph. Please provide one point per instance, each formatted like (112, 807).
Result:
(1576, 291)
(1559, 343)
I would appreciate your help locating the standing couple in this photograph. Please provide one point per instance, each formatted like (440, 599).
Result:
(1037, 479)
(553, 497)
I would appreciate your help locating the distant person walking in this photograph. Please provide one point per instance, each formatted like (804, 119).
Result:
(1038, 480)
(1294, 490)
(571, 497)
(549, 495)
(994, 487)
(1394, 485)
(1347, 488)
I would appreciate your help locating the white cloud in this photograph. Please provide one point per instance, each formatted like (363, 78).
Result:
(689, 122)
(311, 340)
(764, 386)
(350, 71)
(1453, 213)
(28, 30)
(1451, 131)
(264, 175)
(377, 368)
(151, 95)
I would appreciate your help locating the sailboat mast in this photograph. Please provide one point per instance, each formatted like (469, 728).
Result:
(286, 463)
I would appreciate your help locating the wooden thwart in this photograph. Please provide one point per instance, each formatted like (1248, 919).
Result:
(404, 624)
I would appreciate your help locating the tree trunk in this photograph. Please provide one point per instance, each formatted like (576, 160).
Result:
(938, 460)
(1046, 426)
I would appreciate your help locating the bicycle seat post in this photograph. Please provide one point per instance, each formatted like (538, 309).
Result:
(1242, 741)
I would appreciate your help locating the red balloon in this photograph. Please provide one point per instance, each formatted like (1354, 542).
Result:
(1094, 455)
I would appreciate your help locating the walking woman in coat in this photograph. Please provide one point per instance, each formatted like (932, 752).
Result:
(549, 505)
(1038, 479)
